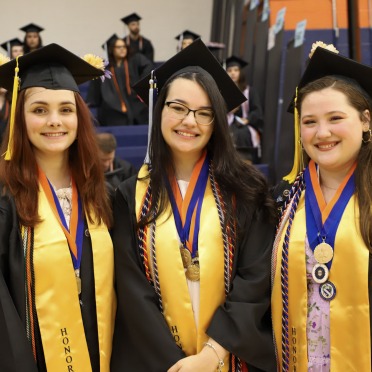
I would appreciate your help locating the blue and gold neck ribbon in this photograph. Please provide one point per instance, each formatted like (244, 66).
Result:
(322, 219)
(74, 233)
(187, 211)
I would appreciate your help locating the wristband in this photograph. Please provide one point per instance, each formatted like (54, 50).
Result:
(220, 361)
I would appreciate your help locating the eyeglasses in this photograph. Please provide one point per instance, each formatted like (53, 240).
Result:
(180, 111)
(120, 47)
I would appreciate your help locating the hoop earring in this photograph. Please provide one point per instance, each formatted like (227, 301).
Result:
(369, 139)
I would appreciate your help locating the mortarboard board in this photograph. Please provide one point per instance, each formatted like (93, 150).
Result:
(51, 67)
(187, 35)
(32, 27)
(134, 17)
(324, 63)
(196, 56)
(11, 43)
(110, 40)
(235, 61)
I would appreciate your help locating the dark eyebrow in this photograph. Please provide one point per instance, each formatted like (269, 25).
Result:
(46, 103)
(185, 103)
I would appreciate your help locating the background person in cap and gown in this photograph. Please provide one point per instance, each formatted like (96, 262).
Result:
(187, 297)
(322, 251)
(116, 102)
(57, 300)
(185, 38)
(14, 48)
(134, 40)
(32, 40)
(245, 122)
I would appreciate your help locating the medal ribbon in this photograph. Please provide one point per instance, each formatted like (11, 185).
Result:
(322, 219)
(187, 212)
(74, 233)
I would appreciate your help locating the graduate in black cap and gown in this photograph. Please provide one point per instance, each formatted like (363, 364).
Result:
(245, 122)
(57, 300)
(321, 301)
(32, 40)
(185, 38)
(14, 47)
(134, 40)
(117, 103)
(192, 234)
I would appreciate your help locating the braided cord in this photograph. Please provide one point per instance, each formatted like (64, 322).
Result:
(28, 248)
(296, 193)
(229, 241)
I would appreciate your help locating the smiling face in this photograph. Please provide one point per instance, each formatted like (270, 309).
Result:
(185, 138)
(332, 129)
(51, 121)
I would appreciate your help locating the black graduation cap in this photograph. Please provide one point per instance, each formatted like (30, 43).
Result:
(195, 56)
(51, 67)
(235, 61)
(324, 62)
(11, 43)
(187, 35)
(134, 17)
(32, 27)
(110, 40)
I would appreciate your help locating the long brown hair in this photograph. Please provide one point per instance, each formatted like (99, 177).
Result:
(19, 176)
(236, 179)
(361, 101)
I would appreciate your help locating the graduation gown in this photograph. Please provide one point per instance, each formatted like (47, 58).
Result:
(141, 45)
(104, 95)
(142, 338)
(351, 272)
(16, 352)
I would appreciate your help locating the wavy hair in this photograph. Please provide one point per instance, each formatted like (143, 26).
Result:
(237, 180)
(19, 176)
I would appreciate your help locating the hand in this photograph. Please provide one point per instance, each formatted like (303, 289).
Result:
(205, 361)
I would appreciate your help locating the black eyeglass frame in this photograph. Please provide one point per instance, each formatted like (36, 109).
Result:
(168, 103)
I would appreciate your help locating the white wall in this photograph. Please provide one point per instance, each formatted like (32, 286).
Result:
(82, 26)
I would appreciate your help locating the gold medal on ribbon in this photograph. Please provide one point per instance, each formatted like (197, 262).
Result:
(186, 256)
(193, 272)
(323, 253)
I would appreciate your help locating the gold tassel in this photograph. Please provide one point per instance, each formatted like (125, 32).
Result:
(298, 162)
(8, 153)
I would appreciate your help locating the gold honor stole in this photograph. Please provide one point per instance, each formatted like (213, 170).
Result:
(177, 307)
(57, 299)
(350, 343)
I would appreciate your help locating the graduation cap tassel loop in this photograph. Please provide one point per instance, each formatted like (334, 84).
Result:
(152, 100)
(298, 163)
(8, 153)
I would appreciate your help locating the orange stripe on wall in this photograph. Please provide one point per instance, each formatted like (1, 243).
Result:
(318, 13)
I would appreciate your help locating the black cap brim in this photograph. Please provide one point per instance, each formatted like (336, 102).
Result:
(324, 63)
(187, 34)
(32, 27)
(134, 17)
(11, 43)
(235, 61)
(80, 70)
(197, 54)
